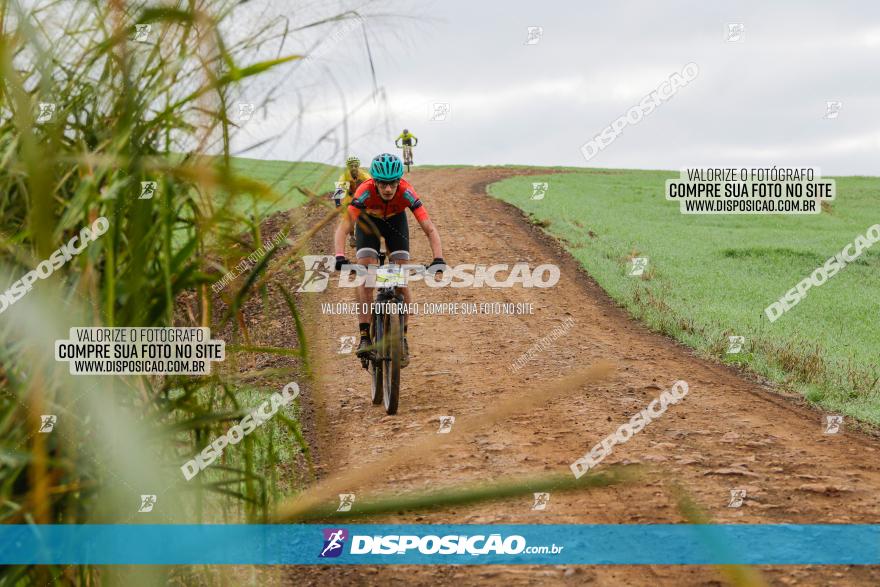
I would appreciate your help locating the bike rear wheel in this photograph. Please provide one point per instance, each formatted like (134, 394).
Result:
(393, 352)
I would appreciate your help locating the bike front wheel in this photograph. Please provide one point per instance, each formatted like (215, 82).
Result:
(376, 378)
(392, 355)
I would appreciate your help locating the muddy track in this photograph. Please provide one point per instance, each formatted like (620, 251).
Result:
(729, 432)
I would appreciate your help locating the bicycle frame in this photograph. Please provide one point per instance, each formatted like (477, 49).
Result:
(407, 156)
(386, 330)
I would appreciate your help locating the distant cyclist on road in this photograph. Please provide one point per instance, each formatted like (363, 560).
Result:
(378, 209)
(406, 141)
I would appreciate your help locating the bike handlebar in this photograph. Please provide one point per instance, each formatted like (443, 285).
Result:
(420, 267)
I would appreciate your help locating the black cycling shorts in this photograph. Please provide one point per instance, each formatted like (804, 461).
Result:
(394, 229)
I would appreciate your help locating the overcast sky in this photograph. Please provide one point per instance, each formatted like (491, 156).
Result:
(757, 101)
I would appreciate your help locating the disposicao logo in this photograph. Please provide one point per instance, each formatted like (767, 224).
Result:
(334, 541)
(317, 275)
(493, 544)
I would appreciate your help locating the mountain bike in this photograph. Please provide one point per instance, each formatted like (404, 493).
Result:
(407, 156)
(386, 332)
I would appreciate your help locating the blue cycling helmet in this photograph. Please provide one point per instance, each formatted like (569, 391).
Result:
(386, 167)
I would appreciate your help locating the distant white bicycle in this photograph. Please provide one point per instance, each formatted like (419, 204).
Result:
(407, 156)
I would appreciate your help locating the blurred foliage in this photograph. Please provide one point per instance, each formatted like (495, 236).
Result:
(97, 100)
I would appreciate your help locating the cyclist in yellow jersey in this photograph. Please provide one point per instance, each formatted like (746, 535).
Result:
(350, 180)
(406, 141)
(406, 138)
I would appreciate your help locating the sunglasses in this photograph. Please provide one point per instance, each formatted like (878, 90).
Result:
(384, 184)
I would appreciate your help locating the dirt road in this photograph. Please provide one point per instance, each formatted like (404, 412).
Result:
(729, 432)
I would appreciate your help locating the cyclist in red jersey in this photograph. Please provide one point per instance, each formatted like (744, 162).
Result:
(379, 210)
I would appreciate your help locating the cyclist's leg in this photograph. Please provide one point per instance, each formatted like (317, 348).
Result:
(367, 247)
(395, 230)
(345, 202)
(396, 233)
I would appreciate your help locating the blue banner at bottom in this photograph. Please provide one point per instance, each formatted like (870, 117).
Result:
(308, 544)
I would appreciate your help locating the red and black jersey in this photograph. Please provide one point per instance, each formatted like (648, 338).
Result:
(367, 199)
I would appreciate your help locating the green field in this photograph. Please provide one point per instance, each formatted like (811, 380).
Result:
(710, 277)
(285, 178)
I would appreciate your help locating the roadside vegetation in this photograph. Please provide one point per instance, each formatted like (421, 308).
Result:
(93, 107)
